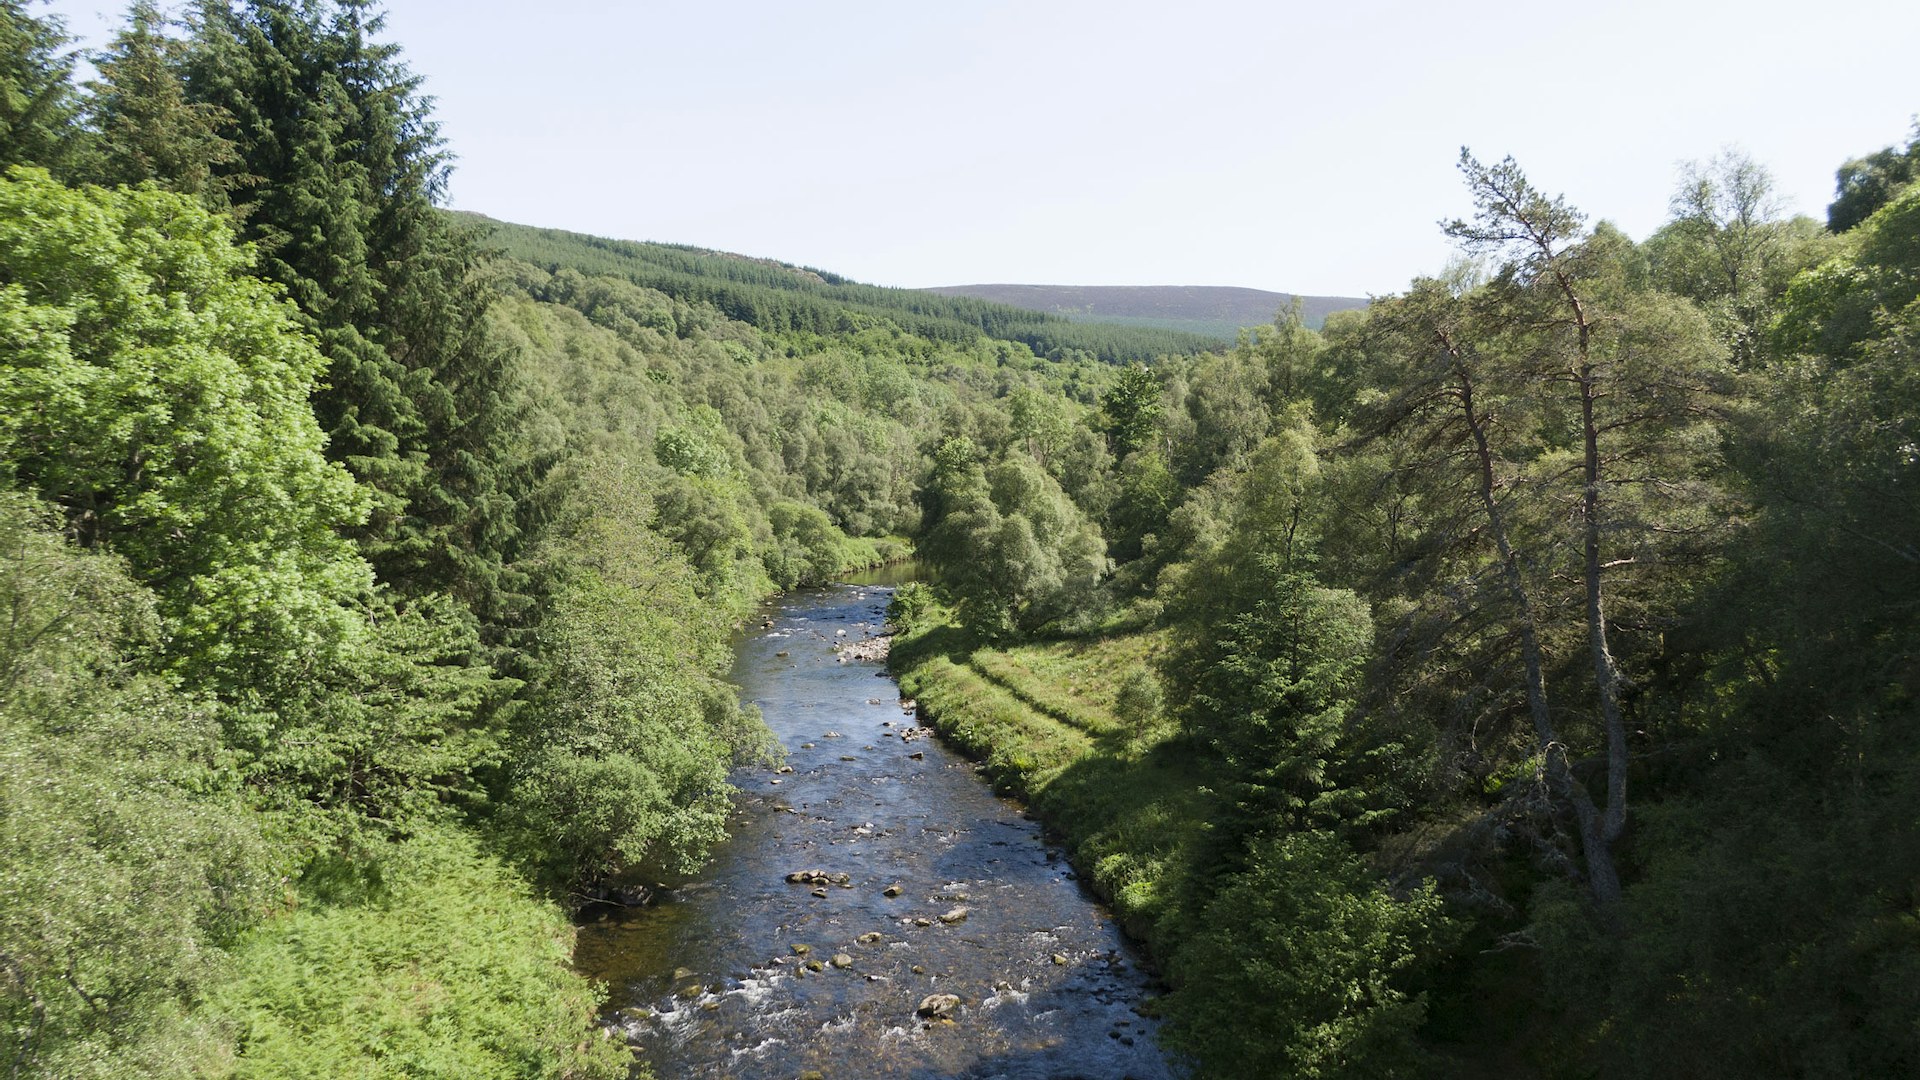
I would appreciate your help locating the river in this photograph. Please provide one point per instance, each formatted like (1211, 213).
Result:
(718, 978)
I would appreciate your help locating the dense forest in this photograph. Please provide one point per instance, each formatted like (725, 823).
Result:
(1517, 674)
(1214, 310)
(1516, 677)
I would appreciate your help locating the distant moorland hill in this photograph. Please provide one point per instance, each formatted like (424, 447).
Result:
(1214, 310)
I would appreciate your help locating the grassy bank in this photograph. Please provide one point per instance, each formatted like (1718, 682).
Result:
(1124, 794)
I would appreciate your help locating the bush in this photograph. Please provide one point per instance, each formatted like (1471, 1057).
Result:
(1299, 972)
(436, 964)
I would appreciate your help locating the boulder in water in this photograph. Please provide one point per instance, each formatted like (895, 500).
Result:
(938, 1006)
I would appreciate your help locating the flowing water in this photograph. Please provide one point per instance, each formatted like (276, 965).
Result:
(714, 980)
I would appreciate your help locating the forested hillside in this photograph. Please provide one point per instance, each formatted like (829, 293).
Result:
(779, 298)
(1217, 311)
(1516, 677)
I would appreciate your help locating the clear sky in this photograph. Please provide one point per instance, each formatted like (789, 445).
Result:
(1295, 147)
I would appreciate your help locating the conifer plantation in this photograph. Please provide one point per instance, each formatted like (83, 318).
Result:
(1514, 677)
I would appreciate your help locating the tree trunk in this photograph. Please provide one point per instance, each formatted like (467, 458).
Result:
(1596, 832)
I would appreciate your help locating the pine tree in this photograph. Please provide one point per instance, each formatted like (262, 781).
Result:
(37, 102)
(147, 128)
(339, 165)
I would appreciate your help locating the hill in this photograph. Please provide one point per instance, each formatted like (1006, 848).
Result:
(779, 297)
(1213, 310)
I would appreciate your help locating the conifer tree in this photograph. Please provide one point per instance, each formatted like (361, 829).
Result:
(147, 127)
(37, 102)
(337, 171)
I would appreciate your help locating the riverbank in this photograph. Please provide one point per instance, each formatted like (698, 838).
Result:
(1121, 792)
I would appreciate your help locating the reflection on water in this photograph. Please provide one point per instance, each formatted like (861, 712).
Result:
(743, 973)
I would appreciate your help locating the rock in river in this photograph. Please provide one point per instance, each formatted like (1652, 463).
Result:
(938, 1006)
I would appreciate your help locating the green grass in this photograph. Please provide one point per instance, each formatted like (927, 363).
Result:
(1130, 802)
(1075, 682)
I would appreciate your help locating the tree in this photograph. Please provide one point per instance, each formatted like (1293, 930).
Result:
(130, 866)
(1131, 409)
(37, 104)
(1864, 185)
(1728, 249)
(147, 128)
(619, 761)
(1561, 395)
(1275, 698)
(1828, 455)
(1008, 543)
(157, 394)
(1539, 234)
(337, 165)
(1300, 969)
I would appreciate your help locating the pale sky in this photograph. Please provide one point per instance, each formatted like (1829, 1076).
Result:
(1302, 148)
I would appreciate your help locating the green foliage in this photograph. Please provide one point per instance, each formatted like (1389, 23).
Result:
(391, 730)
(1864, 185)
(1147, 495)
(1010, 546)
(37, 104)
(335, 167)
(1301, 968)
(809, 549)
(1274, 701)
(1131, 410)
(712, 522)
(689, 453)
(619, 761)
(147, 128)
(440, 966)
(157, 394)
(1140, 701)
(1729, 251)
(126, 862)
(909, 607)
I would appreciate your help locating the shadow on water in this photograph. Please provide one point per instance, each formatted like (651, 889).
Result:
(927, 885)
